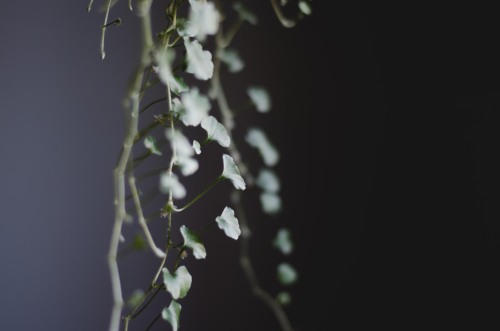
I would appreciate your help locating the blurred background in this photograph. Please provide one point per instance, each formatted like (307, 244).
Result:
(386, 116)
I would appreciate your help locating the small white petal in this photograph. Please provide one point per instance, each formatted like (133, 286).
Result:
(245, 14)
(188, 165)
(305, 8)
(164, 60)
(194, 107)
(268, 181)
(171, 182)
(199, 61)
(229, 223)
(171, 314)
(150, 144)
(216, 131)
(203, 19)
(260, 98)
(232, 59)
(257, 138)
(283, 241)
(287, 274)
(271, 203)
(196, 147)
(179, 142)
(232, 172)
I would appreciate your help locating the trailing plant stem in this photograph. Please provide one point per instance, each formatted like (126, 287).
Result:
(132, 111)
(228, 121)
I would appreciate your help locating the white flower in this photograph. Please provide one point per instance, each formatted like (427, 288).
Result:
(260, 98)
(232, 59)
(203, 19)
(287, 274)
(283, 241)
(196, 147)
(184, 151)
(271, 203)
(164, 59)
(257, 138)
(193, 108)
(268, 181)
(229, 223)
(199, 61)
(232, 172)
(171, 182)
(216, 131)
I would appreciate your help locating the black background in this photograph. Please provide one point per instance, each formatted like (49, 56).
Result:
(385, 115)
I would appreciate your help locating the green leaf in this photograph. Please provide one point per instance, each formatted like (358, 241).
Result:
(199, 61)
(229, 223)
(177, 283)
(287, 274)
(192, 108)
(305, 8)
(196, 147)
(271, 203)
(284, 298)
(260, 98)
(231, 172)
(258, 139)
(245, 14)
(216, 131)
(203, 19)
(139, 243)
(283, 241)
(193, 242)
(135, 298)
(268, 181)
(150, 144)
(171, 182)
(172, 314)
(232, 59)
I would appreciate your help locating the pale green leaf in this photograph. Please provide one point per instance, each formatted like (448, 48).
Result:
(172, 314)
(188, 165)
(244, 13)
(229, 223)
(164, 59)
(171, 182)
(305, 8)
(231, 172)
(184, 151)
(135, 298)
(260, 98)
(199, 61)
(203, 19)
(258, 139)
(232, 59)
(271, 203)
(196, 147)
(287, 274)
(283, 241)
(216, 131)
(193, 242)
(177, 283)
(150, 144)
(192, 108)
(268, 181)
(284, 298)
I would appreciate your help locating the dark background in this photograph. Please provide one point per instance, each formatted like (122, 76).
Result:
(386, 116)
